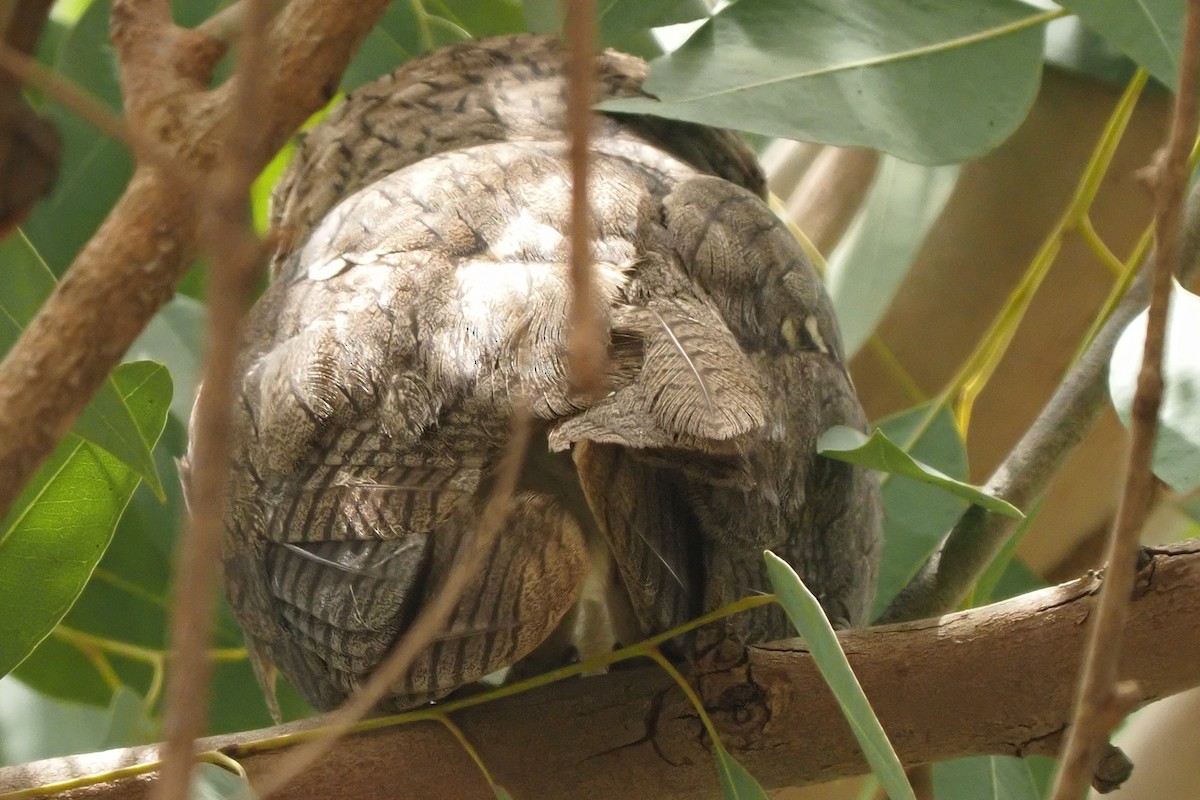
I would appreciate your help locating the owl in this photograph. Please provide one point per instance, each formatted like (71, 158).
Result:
(424, 300)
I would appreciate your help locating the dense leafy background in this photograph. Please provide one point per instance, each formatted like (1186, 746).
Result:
(936, 82)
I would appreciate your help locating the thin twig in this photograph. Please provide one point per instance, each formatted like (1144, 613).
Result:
(1026, 472)
(587, 341)
(236, 253)
(429, 623)
(1101, 702)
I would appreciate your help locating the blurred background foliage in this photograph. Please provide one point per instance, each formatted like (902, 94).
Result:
(978, 119)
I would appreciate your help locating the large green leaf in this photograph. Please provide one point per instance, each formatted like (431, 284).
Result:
(1177, 448)
(1148, 31)
(933, 82)
(107, 421)
(807, 616)
(60, 526)
(878, 452)
(621, 19)
(917, 515)
(874, 256)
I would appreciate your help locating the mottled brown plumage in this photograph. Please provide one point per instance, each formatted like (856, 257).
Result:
(427, 298)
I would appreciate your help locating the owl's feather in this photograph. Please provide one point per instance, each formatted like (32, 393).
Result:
(427, 298)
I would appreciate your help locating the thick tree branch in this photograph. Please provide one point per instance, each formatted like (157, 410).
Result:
(129, 269)
(998, 679)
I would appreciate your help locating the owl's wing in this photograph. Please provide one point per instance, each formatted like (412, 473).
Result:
(709, 456)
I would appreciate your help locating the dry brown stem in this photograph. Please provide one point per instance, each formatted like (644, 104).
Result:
(587, 344)
(429, 623)
(1100, 705)
(228, 235)
(998, 679)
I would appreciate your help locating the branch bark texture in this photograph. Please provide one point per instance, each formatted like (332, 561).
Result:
(998, 680)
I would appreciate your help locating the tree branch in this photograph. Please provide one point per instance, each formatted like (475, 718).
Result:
(998, 679)
(129, 269)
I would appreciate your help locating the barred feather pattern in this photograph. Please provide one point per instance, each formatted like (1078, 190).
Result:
(424, 296)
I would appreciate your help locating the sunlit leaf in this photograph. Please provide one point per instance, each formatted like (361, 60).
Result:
(879, 452)
(807, 616)
(61, 524)
(1177, 449)
(901, 77)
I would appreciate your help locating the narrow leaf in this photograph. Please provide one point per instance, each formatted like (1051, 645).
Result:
(810, 622)
(1177, 448)
(877, 251)
(107, 420)
(935, 82)
(879, 452)
(60, 526)
(736, 782)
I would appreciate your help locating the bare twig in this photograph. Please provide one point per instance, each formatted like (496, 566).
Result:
(587, 344)
(1027, 470)
(429, 623)
(1102, 703)
(236, 254)
(148, 240)
(630, 734)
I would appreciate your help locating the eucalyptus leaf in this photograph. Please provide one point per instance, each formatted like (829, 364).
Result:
(61, 524)
(879, 452)
(1148, 31)
(1177, 448)
(33, 726)
(620, 19)
(874, 256)
(107, 420)
(917, 515)
(175, 338)
(934, 83)
(807, 616)
(212, 782)
(985, 778)
(736, 782)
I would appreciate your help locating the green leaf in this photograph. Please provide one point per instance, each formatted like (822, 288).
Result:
(809, 619)
(60, 526)
(985, 778)
(107, 420)
(408, 30)
(1148, 31)
(175, 338)
(1006, 575)
(620, 19)
(94, 168)
(33, 726)
(874, 256)
(211, 782)
(917, 515)
(936, 82)
(1177, 448)
(877, 451)
(736, 782)
(500, 792)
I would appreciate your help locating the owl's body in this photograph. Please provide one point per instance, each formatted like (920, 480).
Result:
(427, 300)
